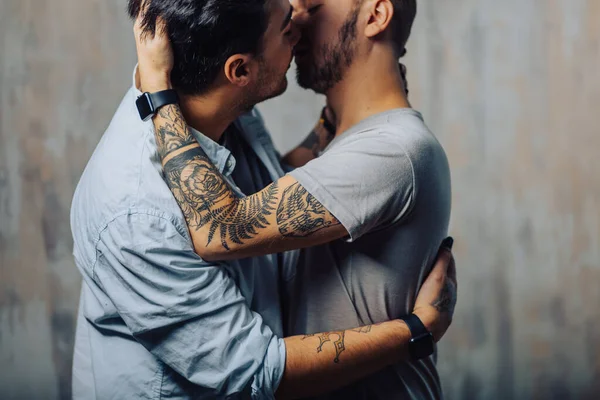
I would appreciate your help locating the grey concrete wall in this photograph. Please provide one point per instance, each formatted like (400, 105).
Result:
(512, 90)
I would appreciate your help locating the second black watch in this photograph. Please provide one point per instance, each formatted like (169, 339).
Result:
(149, 103)
(421, 344)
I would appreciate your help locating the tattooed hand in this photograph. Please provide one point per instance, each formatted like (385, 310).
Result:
(437, 297)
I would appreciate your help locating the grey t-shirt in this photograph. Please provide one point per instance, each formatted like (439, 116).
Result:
(388, 182)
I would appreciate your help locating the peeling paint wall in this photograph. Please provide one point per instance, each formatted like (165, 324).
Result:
(64, 65)
(512, 90)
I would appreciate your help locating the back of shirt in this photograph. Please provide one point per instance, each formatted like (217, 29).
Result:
(388, 182)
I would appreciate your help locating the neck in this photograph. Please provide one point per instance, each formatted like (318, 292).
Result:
(371, 85)
(210, 114)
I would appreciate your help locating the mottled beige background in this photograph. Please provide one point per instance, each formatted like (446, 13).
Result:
(511, 88)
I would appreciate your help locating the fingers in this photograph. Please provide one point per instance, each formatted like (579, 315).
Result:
(138, 26)
(444, 257)
(144, 30)
(441, 268)
(452, 269)
(446, 247)
(161, 27)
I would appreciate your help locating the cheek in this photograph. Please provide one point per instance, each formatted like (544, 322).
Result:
(324, 29)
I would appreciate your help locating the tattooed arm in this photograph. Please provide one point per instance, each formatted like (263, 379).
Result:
(316, 141)
(341, 357)
(223, 226)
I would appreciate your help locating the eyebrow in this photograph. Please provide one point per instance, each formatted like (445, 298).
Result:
(287, 19)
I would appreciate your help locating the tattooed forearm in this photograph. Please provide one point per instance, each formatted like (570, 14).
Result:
(212, 209)
(446, 302)
(338, 339)
(299, 214)
(338, 343)
(173, 133)
(207, 200)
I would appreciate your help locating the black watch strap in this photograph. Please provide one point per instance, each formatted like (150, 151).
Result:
(422, 344)
(149, 103)
(415, 325)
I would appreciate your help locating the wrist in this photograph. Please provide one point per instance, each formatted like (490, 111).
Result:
(428, 319)
(156, 82)
(422, 342)
(404, 336)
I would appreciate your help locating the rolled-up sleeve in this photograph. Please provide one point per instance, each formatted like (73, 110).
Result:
(189, 313)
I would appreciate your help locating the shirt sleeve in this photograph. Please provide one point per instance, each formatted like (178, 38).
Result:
(366, 182)
(188, 313)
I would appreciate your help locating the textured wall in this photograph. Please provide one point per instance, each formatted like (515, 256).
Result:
(64, 66)
(512, 90)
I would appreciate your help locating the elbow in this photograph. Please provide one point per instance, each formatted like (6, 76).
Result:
(211, 252)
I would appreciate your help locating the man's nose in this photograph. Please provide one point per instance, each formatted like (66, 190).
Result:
(298, 5)
(300, 13)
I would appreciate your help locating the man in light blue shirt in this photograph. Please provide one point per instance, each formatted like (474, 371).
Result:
(157, 321)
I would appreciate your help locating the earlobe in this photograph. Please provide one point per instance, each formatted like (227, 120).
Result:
(380, 18)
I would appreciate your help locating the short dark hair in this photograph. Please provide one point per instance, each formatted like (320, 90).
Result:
(405, 12)
(204, 34)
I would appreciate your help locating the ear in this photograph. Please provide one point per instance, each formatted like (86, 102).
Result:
(239, 69)
(380, 17)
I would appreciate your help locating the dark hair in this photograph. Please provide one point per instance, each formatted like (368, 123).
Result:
(204, 34)
(405, 12)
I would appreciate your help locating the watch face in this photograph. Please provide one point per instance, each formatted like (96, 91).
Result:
(144, 106)
(422, 346)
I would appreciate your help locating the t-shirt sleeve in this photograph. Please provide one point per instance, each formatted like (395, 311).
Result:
(366, 182)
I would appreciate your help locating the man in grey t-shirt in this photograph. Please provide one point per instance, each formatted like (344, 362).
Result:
(384, 177)
(388, 182)
(376, 203)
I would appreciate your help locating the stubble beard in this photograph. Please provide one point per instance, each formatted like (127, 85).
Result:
(321, 74)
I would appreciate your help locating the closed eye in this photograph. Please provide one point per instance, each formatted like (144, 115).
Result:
(314, 9)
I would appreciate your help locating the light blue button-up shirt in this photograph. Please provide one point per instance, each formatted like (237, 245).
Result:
(156, 321)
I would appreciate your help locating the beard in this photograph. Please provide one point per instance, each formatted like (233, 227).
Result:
(323, 68)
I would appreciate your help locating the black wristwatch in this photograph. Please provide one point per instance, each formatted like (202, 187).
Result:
(149, 103)
(421, 344)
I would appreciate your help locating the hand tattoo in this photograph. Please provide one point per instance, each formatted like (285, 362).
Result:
(312, 143)
(446, 301)
(318, 139)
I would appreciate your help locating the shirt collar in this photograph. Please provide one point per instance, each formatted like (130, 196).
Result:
(219, 155)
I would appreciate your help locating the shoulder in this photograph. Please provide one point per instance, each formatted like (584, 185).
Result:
(400, 134)
(123, 174)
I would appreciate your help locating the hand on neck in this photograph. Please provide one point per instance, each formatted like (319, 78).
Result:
(371, 85)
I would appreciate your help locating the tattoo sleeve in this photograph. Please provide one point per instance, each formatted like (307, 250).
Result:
(211, 208)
